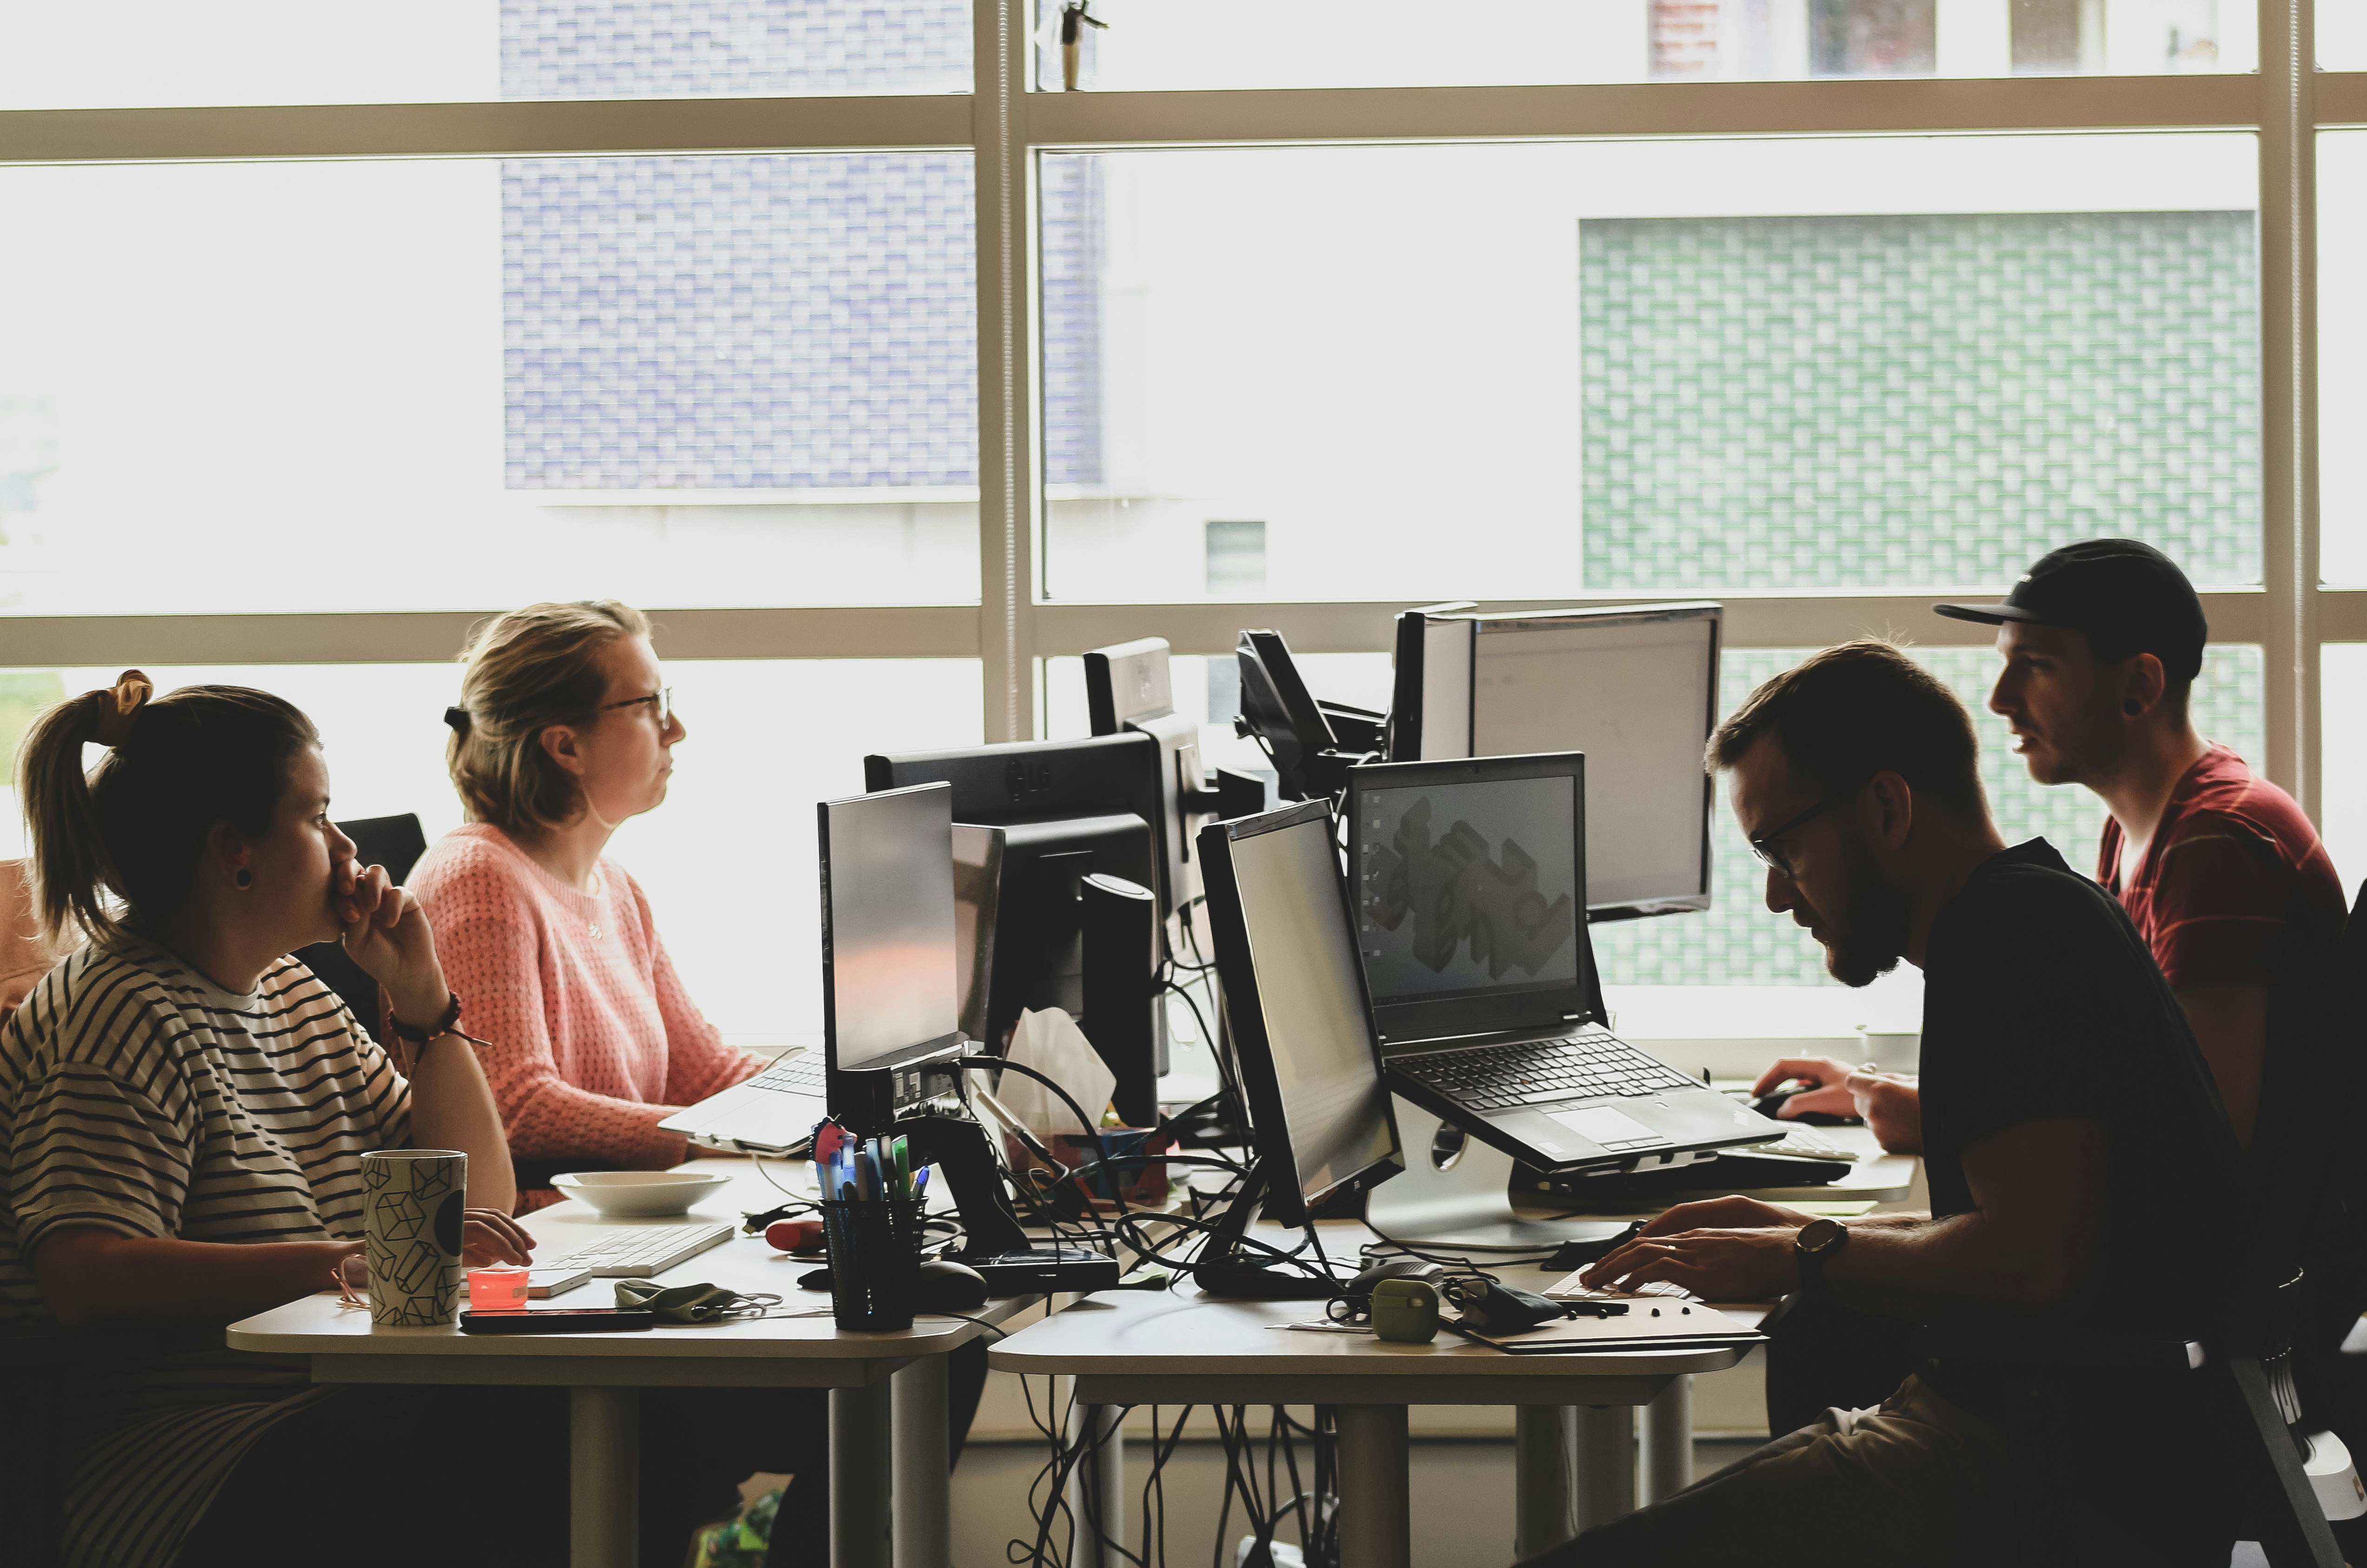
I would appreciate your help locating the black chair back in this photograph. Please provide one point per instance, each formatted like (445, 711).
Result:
(396, 843)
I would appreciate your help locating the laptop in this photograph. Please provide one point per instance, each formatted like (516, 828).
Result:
(776, 1111)
(1469, 878)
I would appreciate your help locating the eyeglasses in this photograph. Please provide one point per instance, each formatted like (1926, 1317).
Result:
(1764, 845)
(661, 699)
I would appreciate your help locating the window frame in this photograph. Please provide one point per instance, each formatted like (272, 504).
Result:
(1004, 123)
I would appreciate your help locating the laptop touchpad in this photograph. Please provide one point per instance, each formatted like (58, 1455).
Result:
(1611, 1129)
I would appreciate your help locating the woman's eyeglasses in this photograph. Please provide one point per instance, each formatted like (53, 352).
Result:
(660, 702)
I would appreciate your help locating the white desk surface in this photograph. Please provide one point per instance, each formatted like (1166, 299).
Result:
(346, 1346)
(1178, 1347)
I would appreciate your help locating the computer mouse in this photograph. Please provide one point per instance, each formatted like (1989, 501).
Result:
(948, 1286)
(1770, 1103)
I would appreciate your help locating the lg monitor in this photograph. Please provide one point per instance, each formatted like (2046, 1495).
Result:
(1634, 687)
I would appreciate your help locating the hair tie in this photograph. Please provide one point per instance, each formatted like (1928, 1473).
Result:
(458, 719)
(113, 708)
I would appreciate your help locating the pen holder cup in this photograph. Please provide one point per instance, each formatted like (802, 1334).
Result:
(875, 1259)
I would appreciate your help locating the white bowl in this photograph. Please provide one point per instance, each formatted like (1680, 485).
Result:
(640, 1194)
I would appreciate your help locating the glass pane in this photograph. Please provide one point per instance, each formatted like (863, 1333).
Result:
(701, 381)
(1526, 371)
(1736, 942)
(2342, 799)
(1151, 44)
(134, 54)
(2341, 357)
(2341, 35)
(735, 839)
(1210, 690)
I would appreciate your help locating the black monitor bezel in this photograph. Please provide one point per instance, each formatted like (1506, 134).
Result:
(1450, 1017)
(1285, 1202)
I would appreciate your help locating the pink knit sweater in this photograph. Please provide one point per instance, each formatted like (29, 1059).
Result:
(593, 1040)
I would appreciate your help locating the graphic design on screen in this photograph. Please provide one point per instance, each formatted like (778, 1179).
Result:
(1471, 910)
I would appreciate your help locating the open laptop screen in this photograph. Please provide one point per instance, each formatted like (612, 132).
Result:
(1470, 892)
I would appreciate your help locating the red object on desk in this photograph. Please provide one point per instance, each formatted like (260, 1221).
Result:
(795, 1236)
(1143, 1183)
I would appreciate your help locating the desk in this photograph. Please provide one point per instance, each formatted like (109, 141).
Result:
(887, 1391)
(1182, 1349)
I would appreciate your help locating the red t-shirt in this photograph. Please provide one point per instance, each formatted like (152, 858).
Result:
(2235, 887)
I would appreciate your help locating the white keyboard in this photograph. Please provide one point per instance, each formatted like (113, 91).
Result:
(637, 1255)
(1800, 1143)
(801, 1074)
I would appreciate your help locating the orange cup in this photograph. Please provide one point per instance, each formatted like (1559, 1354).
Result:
(498, 1289)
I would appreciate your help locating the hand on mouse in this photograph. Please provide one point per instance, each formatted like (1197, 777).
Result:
(1890, 1104)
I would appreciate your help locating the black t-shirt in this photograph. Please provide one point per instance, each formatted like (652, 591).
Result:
(2041, 1000)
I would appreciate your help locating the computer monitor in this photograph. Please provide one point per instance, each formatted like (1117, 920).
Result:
(977, 890)
(1068, 809)
(889, 951)
(1321, 1118)
(1128, 688)
(1634, 687)
(1310, 742)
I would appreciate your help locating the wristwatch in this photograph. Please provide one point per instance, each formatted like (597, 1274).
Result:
(1813, 1246)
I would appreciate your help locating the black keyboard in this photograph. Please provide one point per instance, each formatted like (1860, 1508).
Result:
(1591, 1063)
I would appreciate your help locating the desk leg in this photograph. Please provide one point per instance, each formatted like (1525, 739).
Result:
(1606, 1465)
(1667, 1460)
(1544, 1445)
(861, 1461)
(603, 1501)
(1097, 1487)
(924, 1507)
(1375, 1512)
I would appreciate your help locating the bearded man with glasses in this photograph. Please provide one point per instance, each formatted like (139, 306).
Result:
(2078, 1155)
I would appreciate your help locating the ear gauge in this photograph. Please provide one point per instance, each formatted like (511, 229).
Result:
(245, 878)
(2132, 707)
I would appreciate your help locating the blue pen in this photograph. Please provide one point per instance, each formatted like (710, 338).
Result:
(867, 1174)
(921, 1182)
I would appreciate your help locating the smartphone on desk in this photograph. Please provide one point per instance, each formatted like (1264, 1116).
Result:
(559, 1320)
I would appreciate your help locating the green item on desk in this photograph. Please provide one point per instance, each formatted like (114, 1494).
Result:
(1405, 1311)
(691, 1303)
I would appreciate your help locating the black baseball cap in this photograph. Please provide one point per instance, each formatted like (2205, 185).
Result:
(2125, 593)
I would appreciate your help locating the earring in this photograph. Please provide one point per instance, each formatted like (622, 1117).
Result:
(245, 878)
(2133, 707)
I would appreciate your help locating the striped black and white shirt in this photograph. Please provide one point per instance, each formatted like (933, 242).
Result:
(140, 1097)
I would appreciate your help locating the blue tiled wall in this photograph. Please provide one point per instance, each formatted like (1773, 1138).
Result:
(766, 322)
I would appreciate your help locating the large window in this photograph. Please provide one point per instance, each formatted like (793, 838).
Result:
(892, 376)
(1646, 366)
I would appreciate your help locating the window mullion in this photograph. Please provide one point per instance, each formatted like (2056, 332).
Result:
(2289, 394)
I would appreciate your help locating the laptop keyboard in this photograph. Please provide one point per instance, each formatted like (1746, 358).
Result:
(1591, 1063)
(801, 1074)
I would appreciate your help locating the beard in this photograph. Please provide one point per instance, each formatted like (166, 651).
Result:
(1869, 943)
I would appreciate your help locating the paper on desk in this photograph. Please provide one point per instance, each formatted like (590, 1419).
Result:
(1051, 1043)
(1570, 1288)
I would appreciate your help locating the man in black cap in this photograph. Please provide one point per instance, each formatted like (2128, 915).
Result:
(2221, 870)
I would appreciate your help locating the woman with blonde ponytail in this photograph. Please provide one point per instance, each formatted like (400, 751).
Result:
(183, 1108)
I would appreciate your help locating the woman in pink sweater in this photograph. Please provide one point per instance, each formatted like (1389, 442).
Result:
(564, 731)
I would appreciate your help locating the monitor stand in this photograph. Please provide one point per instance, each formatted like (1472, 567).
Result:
(1465, 1205)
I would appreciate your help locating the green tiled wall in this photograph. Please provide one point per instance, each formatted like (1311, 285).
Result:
(1737, 942)
(1805, 403)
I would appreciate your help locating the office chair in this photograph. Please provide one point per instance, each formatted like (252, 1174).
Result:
(396, 843)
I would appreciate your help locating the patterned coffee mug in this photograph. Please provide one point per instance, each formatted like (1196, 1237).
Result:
(415, 1201)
